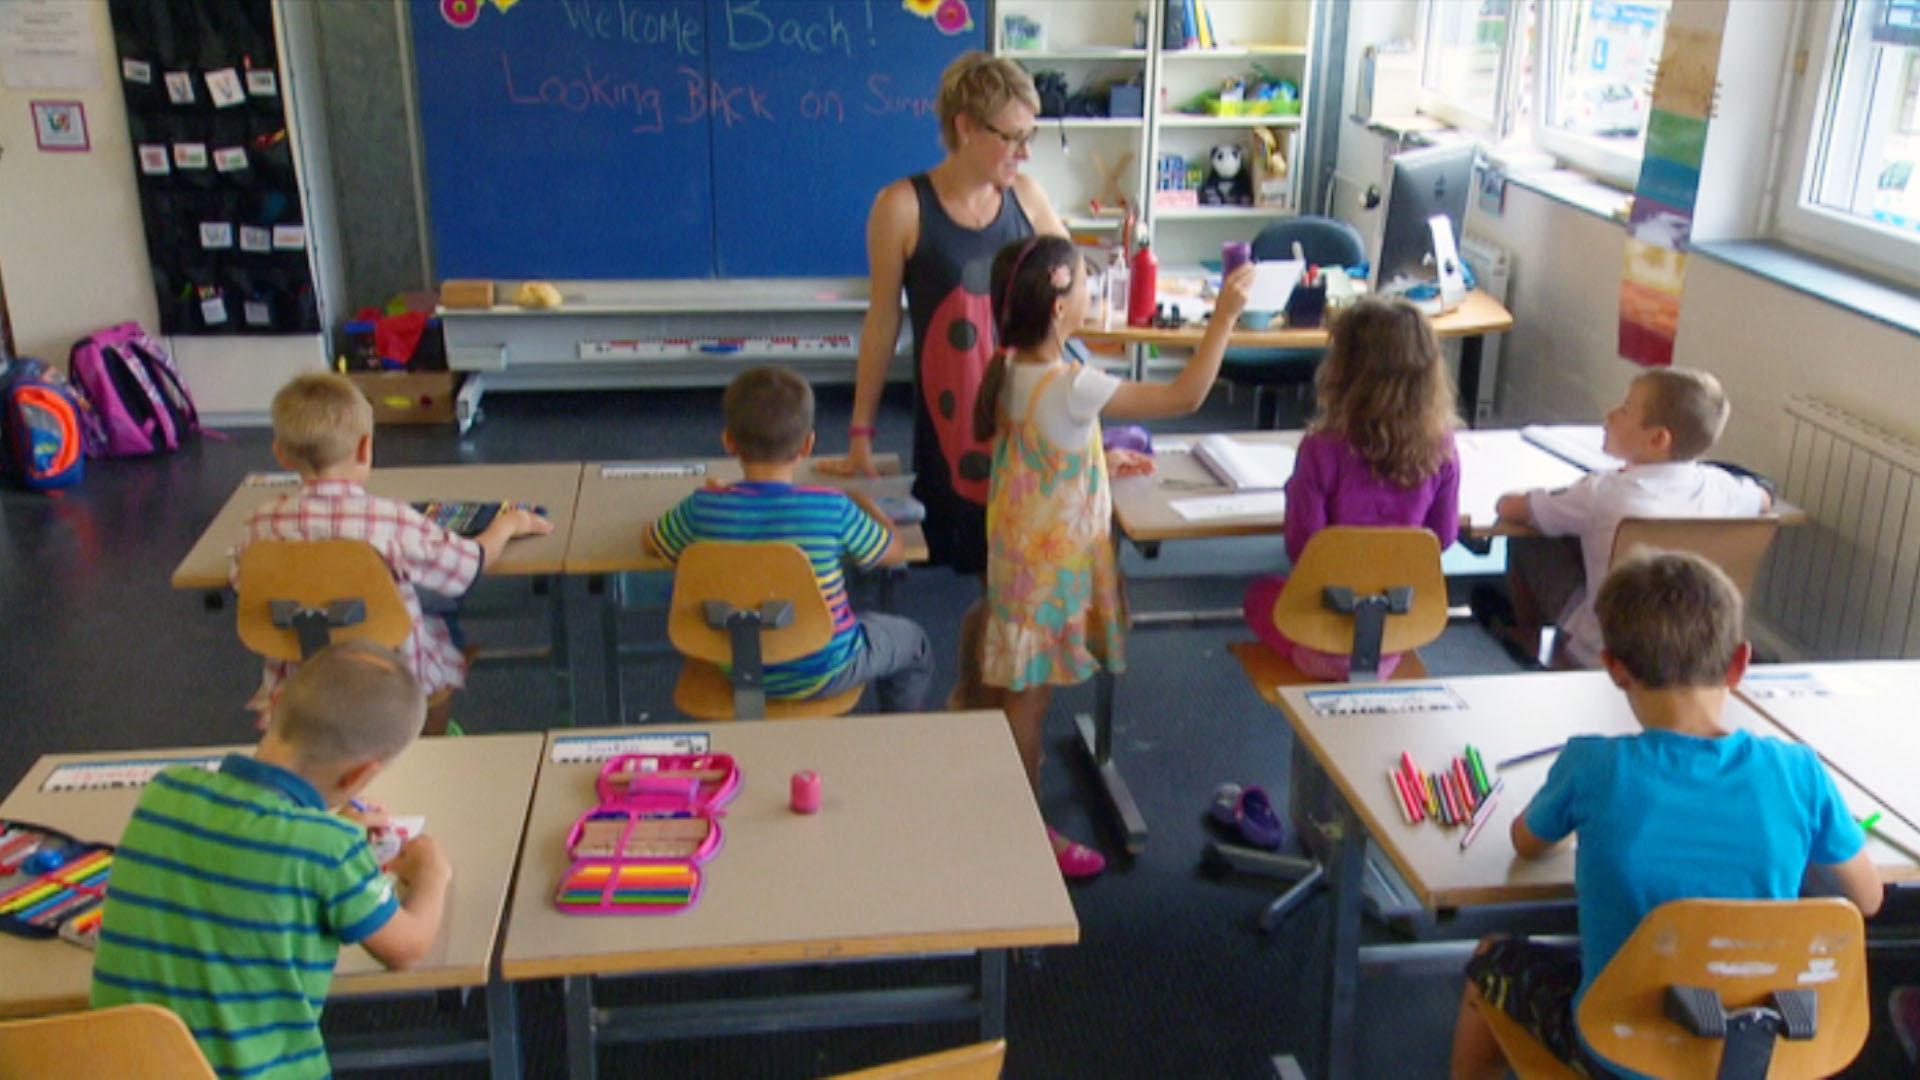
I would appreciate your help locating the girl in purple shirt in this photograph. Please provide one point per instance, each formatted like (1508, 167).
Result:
(1378, 452)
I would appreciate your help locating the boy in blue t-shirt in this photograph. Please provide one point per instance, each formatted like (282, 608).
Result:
(1688, 808)
(769, 413)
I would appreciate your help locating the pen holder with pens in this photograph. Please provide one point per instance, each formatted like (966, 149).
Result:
(640, 851)
(51, 883)
(1307, 305)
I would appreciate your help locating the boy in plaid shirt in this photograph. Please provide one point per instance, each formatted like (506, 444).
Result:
(323, 430)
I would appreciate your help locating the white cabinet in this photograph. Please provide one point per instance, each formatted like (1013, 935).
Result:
(1096, 41)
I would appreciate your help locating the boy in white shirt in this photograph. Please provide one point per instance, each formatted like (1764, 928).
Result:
(1670, 417)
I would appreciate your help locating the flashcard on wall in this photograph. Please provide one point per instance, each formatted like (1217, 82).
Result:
(180, 87)
(262, 83)
(255, 239)
(137, 71)
(216, 235)
(189, 155)
(289, 237)
(153, 159)
(230, 159)
(224, 87)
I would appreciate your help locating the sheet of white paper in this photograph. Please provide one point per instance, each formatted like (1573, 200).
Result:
(48, 45)
(1273, 282)
(1577, 443)
(1222, 507)
(1493, 463)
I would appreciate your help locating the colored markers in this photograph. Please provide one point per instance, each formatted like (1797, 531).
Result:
(1456, 795)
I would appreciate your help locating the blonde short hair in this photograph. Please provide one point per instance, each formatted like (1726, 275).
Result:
(351, 702)
(1671, 618)
(1689, 404)
(979, 86)
(319, 418)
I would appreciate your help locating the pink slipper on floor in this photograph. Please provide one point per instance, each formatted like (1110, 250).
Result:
(1076, 860)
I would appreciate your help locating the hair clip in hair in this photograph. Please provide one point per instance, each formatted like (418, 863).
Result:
(1062, 276)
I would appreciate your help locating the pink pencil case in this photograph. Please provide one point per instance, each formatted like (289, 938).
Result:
(639, 852)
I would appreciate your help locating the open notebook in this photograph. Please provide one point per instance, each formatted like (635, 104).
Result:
(1245, 466)
(1576, 443)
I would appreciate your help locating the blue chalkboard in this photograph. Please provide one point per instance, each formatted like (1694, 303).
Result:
(674, 138)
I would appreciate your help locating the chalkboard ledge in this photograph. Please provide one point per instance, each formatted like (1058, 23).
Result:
(717, 295)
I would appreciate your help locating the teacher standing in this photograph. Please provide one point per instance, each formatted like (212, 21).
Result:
(936, 233)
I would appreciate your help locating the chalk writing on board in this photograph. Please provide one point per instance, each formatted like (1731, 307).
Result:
(883, 101)
(750, 27)
(591, 90)
(638, 21)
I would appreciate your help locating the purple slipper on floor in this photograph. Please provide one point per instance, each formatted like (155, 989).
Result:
(1259, 825)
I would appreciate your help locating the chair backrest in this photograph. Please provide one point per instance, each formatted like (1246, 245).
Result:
(981, 1061)
(126, 1040)
(747, 575)
(1745, 950)
(1368, 561)
(1325, 241)
(1735, 545)
(315, 573)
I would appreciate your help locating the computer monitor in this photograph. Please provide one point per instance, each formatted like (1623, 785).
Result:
(1422, 183)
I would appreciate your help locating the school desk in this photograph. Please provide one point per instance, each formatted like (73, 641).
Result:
(1479, 316)
(1860, 715)
(1502, 716)
(927, 842)
(620, 499)
(554, 485)
(1492, 463)
(474, 793)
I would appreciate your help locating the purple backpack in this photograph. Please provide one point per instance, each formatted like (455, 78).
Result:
(136, 401)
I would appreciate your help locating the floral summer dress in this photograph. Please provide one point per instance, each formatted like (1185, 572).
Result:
(1054, 610)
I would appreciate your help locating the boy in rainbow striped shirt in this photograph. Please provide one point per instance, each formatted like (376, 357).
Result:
(769, 416)
(233, 891)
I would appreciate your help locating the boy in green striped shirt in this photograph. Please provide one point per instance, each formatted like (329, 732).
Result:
(233, 891)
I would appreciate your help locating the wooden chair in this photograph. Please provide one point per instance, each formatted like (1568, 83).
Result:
(746, 605)
(1735, 545)
(126, 1040)
(1362, 591)
(1733, 989)
(981, 1061)
(298, 596)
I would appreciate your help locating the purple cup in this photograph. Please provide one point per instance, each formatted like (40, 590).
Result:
(1234, 254)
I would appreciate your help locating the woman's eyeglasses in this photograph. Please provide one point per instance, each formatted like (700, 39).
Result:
(1015, 140)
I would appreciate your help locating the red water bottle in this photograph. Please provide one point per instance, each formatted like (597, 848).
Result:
(1146, 286)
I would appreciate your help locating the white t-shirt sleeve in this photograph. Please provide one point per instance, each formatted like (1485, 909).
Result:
(1089, 392)
(1568, 511)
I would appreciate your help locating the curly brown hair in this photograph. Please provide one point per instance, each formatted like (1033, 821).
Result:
(1384, 386)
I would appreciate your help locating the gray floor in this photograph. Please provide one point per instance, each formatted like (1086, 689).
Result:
(1170, 978)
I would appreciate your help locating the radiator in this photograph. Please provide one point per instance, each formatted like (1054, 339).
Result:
(1846, 585)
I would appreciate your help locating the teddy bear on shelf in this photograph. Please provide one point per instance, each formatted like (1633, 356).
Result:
(1229, 182)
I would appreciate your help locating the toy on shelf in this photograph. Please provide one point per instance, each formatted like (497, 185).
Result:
(51, 883)
(639, 852)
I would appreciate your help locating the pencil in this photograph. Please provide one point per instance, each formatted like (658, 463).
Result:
(1521, 759)
(1480, 817)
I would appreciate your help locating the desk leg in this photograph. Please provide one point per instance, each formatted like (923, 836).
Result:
(1096, 734)
(1472, 350)
(610, 602)
(580, 1034)
(503, 1029)
(561, 656)
(1346, 864)
(993, 994)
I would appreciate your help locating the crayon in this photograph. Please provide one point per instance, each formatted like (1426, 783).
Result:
(1433, 798)
(1409, 790)
(1400, 795)
(1479, 768)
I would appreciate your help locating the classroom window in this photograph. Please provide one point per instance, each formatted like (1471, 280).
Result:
(1464, 60)
(1596, 73)
(1858, 189)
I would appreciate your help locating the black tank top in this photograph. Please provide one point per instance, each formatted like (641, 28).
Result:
(953, 339)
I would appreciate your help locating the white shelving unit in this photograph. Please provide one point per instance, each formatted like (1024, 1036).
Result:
(1094, 40)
